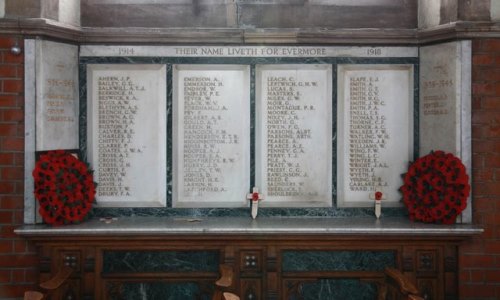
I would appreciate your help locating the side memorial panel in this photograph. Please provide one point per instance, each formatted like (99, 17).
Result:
(375, 132)
(445, 102)
(294, 135)
(211, 117)
(127, 134)
(52, 106)
(56, 96)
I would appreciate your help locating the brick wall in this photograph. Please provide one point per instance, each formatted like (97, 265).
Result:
(480, 258)
(17, 258)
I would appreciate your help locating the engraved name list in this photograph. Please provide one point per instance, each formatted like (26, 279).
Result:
(294, 105)
(127, 113)
(211, 135)
(117, 116)
(368, 134)
(204, 138)
(375, 135)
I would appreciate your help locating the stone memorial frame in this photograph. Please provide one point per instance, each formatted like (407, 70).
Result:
(445, 108)
(52, 107)
(455, 68)
(251, 57)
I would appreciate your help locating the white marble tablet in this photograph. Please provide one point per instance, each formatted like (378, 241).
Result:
(57, 102)
(127, 133)
(211, 126)
(375, 132)
(294, 135)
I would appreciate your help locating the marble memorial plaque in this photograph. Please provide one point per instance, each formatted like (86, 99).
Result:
(375, 132)
(56, 96)
(211, 126)
(442, 94)
(127, 133)
(294, 135)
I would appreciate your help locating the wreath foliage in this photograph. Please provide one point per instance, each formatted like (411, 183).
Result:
(64, 187)
(436, 188)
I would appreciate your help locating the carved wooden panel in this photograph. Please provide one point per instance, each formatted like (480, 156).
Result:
(408, 259)
(71, 259)
(427, 261)
(251, 289)
(251, 261)
(264, 267)
(450, 273)
(70, 290)
(428, 288)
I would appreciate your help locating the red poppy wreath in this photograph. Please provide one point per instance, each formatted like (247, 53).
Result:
(436, 188)
(64, 187)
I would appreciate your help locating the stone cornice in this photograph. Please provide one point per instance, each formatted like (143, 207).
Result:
(459, 31)
(162, 35)
(42, 28)
(84, 35)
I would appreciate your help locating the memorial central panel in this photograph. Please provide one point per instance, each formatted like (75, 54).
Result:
(294, 135)
(211, 135)
(375, 132)
(127, 130)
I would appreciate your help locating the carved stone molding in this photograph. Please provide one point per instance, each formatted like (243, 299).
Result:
(54, 30)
